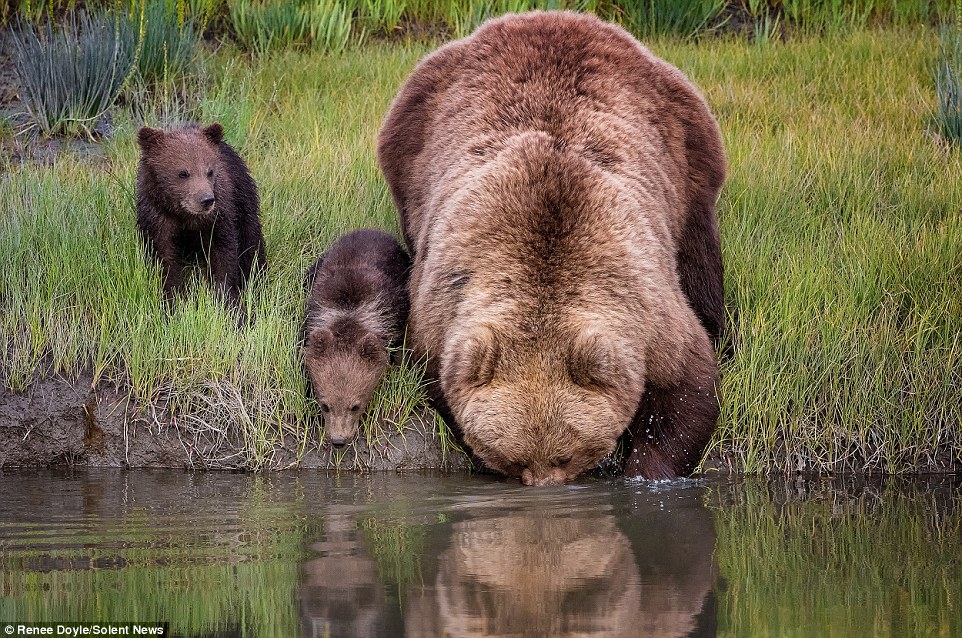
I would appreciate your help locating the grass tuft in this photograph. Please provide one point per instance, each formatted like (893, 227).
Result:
(264, 25)
(948, 75)
(685, 18)
(168, 44)
(71, 74)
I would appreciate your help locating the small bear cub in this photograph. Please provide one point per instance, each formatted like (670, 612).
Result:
(357, 306)
(197, 203)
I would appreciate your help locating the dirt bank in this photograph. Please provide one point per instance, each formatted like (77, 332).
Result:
(59, 422)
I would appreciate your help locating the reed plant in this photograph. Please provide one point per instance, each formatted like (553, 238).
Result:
(332, 25)
(948, 77)
(168, 40)
(327, 25)
(685, 18)
(827, 16)
(263, 25)
(70, 74)
(383, 15)
(206, 13)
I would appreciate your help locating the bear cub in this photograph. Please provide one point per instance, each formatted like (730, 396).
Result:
(357, 306)
(197, 203)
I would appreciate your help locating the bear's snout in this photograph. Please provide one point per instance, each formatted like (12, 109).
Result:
(554, 476)
(206, 201)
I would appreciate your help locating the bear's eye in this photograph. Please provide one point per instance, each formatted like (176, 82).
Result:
(210, 172)
(355, 408)
(325, 407)
(564, 461)
(183, 174)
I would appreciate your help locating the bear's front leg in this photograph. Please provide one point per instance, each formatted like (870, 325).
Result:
(162, 247)
(675, 422)
(224, 270)
(174, 274)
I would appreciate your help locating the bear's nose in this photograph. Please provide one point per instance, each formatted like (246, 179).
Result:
(338, 443)
(207, 201)
(553, 476)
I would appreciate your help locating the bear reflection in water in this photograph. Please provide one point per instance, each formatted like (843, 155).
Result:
(527, 572)
(538, 574)
(341, 594)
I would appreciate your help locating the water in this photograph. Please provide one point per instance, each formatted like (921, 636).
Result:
(309, 554)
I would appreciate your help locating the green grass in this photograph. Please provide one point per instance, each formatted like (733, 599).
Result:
(686, 18)
(169, 45)
(262, 26)
(842, 236)
(841, 227)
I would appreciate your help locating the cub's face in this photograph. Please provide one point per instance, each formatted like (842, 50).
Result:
(344, 378)
(184, 165)
(546, 412)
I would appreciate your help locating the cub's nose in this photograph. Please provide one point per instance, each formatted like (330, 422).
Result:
(207, 201)
(338, 442)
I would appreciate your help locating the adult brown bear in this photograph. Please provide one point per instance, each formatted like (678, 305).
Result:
(557, 184)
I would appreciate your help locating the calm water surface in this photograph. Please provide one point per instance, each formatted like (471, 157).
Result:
(312, 554)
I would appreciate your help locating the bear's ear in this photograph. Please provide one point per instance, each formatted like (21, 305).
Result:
(593, 362)
(371, 348)
(320, 341)
(148, 137)
(214, 132)
(473, 362)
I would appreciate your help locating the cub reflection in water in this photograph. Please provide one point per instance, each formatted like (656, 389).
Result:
(341, 594)
(539, 574)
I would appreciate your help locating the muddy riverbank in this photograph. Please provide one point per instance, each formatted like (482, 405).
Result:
(77, 423)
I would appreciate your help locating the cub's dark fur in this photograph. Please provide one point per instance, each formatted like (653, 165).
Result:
(357, 306)
(197, 203)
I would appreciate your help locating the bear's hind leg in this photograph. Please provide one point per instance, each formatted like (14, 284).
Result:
(674, 423)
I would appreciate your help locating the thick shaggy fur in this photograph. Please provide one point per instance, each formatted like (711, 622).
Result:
(197, 203)
(357, 307)
(557, 186)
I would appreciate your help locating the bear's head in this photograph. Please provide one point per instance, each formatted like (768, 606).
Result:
(184, 165)
(543, 410)
(344, 374)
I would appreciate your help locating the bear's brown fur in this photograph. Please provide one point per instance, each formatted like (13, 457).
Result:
(197, 203)
(557, 184)
(357, 307)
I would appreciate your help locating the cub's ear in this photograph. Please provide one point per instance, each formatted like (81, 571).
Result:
(320, 341)
(371, 348)
(593, 362)
(148, 137)
(214, 132)
(473, 362)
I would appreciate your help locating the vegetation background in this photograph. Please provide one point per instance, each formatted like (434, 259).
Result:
(841, 219)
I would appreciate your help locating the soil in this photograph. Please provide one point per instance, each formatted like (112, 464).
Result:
(74, 423)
